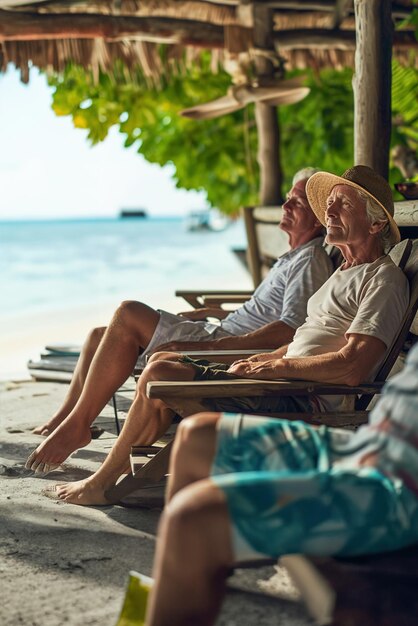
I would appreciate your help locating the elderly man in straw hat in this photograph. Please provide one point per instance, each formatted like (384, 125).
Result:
(244, 487)
(352, 320)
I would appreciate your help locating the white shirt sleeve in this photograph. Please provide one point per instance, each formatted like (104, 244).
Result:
(306, 275)
(381, 310)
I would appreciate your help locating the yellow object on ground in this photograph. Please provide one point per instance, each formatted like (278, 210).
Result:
(136, 598)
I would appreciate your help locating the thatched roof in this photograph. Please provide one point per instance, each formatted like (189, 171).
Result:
(48, 34)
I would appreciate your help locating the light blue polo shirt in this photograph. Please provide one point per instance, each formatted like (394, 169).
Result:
(284, 293)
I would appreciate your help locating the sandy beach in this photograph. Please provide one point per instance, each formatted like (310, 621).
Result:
(67, 565)
(23, 336)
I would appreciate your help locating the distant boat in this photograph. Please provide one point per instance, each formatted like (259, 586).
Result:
(133, 213)
(206, 219)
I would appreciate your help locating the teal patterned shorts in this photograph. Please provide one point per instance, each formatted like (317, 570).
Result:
(287, 492)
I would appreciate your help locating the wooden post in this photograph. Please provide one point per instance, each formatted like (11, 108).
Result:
(266, 116)
(372, 84)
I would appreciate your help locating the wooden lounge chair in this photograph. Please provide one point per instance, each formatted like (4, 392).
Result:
(175, 394)
(186, 398)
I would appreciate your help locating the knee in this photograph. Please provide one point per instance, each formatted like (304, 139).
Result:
(193, 434)
(163, 356)
(162, 370)
(95, 337)
(185, 512)
(197, 518)
(155, 370)
(196, 426)
(128, 311)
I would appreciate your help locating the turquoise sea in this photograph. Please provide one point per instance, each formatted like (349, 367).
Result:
(60, 264)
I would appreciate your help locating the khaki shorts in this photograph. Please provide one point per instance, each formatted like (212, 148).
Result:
(172, 327)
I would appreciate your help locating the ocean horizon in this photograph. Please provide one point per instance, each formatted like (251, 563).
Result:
(61, 277)
(65, 262)
(89, 218)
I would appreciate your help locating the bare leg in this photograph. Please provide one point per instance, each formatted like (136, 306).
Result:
(147, 420)
(88, 351)
(195, 525)
(193, 452)
(129, 331)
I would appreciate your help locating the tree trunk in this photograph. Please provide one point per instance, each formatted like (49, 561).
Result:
(268, 154)
(266, 116)
(372, 84)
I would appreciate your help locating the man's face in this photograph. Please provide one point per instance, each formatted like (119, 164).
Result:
(346, 217)
(297, 214)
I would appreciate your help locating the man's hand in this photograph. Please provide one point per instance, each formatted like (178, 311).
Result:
(256, 358)
(198, 315)
(248, 368)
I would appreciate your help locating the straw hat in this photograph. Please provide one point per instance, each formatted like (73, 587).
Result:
(361, 177)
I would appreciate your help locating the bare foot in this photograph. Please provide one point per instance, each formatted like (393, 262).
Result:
(49, 427)
(42, 430)
(85, 492)
(57, 447)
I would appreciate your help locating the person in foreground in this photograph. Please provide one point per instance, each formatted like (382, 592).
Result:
(352, 320)
(268, 320)
(245, 488)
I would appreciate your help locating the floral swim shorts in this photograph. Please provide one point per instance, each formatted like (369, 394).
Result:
(287, 492)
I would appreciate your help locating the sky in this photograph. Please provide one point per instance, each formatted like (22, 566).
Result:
(49, 170)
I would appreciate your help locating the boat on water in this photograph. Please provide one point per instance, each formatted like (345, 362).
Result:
(133, 213)
(206, 219)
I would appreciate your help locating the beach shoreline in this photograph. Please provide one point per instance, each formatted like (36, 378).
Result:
(24, 336)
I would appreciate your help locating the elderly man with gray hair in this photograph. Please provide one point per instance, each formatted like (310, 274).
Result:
(268, 320)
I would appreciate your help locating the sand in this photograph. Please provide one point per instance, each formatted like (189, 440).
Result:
(23, 337)
(67, 565)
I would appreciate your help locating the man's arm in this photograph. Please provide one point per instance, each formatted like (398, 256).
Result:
(350, 366)
(271, 336)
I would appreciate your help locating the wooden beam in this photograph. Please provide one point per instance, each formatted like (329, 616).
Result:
(320, 38)
(319, 5)
(328, 6)
(372, 84)
(16, 26)
(19, 26)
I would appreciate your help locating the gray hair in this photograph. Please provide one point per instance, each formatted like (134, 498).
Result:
(304, 174)
(376, 214)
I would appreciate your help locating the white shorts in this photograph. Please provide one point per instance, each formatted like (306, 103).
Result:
(173, 327)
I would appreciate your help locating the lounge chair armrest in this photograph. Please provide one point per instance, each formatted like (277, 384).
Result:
(213, 355)
(230, 298)
(251, 388)
(194, 297)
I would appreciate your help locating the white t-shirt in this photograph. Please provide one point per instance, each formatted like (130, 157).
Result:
(284, 293)
(368, 299)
